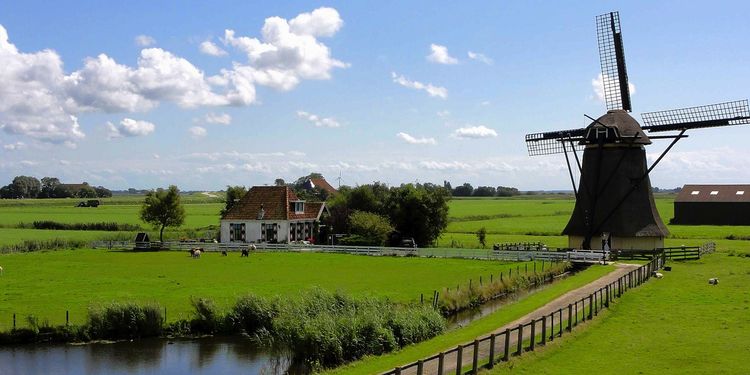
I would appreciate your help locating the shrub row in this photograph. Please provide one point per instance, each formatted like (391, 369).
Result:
(34, 245)
(452, 301)
(102, 226)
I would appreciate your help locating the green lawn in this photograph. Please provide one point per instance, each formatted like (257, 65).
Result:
(676, 325)
(47, 284)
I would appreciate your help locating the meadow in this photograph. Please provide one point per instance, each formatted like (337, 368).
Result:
(676, 325)
(46, 284)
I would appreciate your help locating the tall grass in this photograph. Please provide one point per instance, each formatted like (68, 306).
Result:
(451, 301)
(34, 245)
(124, 321)
(102, 226)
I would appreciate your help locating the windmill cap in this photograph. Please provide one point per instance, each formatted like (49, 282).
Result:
(625, 124)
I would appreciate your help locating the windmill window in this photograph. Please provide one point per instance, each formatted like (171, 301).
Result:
(695, 192)
(715, 192)
(740, 192)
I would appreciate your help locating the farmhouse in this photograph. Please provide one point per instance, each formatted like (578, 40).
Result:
(271, 214)
(713, 205)
(321, 183)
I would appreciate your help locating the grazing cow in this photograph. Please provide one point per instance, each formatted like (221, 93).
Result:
(223, 253)
(713, 281)
(245, 253)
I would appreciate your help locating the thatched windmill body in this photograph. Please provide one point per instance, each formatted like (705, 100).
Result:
(614, 203)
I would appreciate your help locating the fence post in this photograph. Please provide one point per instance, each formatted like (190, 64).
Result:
(441, 362)
(480, 280)
(595, 307)
(67, 317)
(420, 367)
(165, 314)
(561, 321)
(397, 371)
(544, 330)
(492, 351)
(520, 339)
(506, 355)
(532, 336)
(591, 306)
(570, 317)
(606, 303)
(459, 359)
(490, 278)
(552, 326)
(421, 298)
(475, 360)
(584, 310)
(14, 320)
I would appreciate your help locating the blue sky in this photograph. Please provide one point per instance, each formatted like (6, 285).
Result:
(161, 93)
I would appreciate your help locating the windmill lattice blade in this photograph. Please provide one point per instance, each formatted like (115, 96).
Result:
(707, 116)
(612, 59)
(552, 142)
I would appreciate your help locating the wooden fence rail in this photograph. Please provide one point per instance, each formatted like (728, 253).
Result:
(486, 351)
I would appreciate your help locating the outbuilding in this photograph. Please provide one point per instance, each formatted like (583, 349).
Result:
(712, 205)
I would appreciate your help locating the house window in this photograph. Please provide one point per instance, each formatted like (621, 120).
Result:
(298, 206)
(715, 192)
(268, 232)
(695, 192)
(237, 232)
(740, 192)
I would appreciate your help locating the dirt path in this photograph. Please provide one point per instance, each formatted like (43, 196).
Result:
(450, 360)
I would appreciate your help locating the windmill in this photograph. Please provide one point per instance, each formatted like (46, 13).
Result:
(614, 201)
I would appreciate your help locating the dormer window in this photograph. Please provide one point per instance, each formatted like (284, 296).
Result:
(695, 192)
(740, 192)
(715, 192)
(298, 206)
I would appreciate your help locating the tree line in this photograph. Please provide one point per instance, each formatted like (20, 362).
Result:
(466, 190)
(50, 187)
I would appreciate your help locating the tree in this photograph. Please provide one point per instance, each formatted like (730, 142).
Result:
(86, 192)
(464, 190)
(279, 182)
(482, 236)
(162, 208)
(504, 191)
(49, 184)
(419, 211)
(374, 229)
(484, 191)
(234, 194)
(103, 192)
(25, 187)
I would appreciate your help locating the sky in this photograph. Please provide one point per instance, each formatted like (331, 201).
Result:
(203, 95)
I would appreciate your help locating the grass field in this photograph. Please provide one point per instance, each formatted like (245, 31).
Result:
(47, 284)
(676, 325)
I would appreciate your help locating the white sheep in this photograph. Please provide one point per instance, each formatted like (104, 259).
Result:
(713, 281)
(1, 270)
(658, 275)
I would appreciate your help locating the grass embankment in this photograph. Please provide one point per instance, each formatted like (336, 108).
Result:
(46, 284)
(677, 325)
(480, 327)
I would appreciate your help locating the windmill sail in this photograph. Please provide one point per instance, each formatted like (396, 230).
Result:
(555, 142)
(706, 116)
(612, 58)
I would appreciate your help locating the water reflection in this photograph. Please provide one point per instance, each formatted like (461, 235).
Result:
(200, 356)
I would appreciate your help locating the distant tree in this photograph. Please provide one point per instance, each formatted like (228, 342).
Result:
(374, 229)
(419, 211)
(86, 192)
(103, 192)
(484, 191)
(504, 191)
(234, 194)
(132, 191)
(162, 208)
(464, 190)
(25, 187)
(482, 236)
(49, 184)
(6, 192)
(447, 186)
(279, 182)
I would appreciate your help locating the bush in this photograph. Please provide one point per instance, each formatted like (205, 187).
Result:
(252, 314)
(206, 319)
(125, 321)
(103, 226)
(33, 245)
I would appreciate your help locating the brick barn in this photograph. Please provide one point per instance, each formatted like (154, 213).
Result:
(712, 205)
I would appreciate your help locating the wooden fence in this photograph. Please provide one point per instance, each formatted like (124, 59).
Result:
(673, 253)
(485, 352)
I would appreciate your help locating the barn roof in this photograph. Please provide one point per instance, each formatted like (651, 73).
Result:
(274, 203)
(714, 193)
(320, 182)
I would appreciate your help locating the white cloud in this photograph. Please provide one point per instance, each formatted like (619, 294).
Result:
(434, 91)
(217, 118)
(327, 122)
(480, 57)
(442, 166)
(288, 51)
(439, 55)
(14, 146)
(416, 141)
(598, 85)
(209, 48)
(443, 114)
(144, 41)
(480, 131)
(197, 132)
(129, 128)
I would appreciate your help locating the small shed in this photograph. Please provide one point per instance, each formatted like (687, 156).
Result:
(142, 241)
(713, 205)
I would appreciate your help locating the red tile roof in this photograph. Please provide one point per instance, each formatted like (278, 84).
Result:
(275, 203)
(323, 184)
(714, 193)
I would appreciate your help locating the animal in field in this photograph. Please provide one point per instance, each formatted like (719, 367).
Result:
(245, 253)
(658, 275)
(252, 247)
(1, 270)
(196, 252)
(713, 281)
(223, 253)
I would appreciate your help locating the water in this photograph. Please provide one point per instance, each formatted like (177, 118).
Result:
(152, 356)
